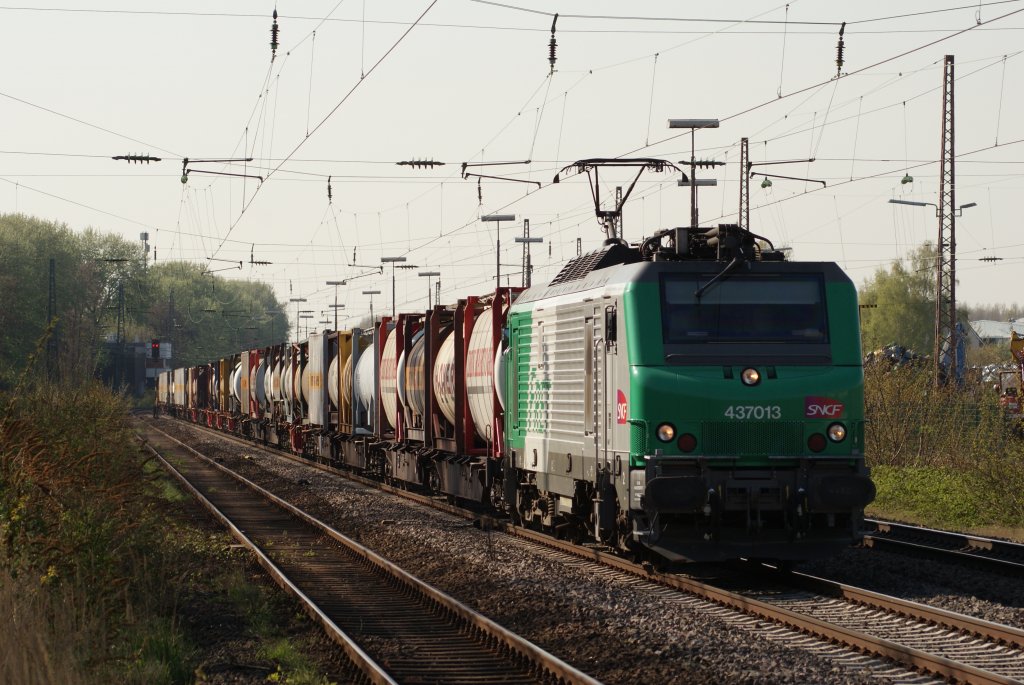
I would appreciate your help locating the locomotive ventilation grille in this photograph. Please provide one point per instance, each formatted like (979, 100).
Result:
(753, 438)
(637, 437)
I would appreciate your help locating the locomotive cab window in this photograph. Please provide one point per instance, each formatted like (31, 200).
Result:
(744, 308)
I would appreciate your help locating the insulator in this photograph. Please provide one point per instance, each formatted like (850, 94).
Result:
(329, 195)
(479, 192)
(273, 36)
(553, 45)
(839, 50)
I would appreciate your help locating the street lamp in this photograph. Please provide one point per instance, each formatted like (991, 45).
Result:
(497, 219)
(371, 293)
(335, 307)
(958, 211)
(306, 316)
(693, 125)
(392, 261)
(944, 282)
(296, 300)
(428, 275)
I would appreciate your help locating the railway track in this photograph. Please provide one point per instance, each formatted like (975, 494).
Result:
(394, 627)
(995, 555)
(922, 638)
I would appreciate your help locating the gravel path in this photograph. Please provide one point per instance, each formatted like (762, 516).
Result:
(617, 628)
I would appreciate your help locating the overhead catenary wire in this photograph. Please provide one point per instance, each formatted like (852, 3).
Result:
(326, 117)
(563, 105)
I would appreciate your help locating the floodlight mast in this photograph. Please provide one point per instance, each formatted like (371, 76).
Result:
(336, 284)
(297, 300)
(693, 125)
(371, 293)
(497, 219)
(392, 261)
(429, 275)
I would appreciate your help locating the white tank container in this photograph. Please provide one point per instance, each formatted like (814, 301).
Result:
(389, 379)
(236, 382)
(480, 376)
(268, 384)
(261, 382)
(364, 380)
(275, 383)
(286, 382)
(302, 391)
(444, 378)
(346, 384)
(332, 381)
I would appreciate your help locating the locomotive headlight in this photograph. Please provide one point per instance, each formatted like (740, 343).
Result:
(750, 376)
(837, 432)
(666, 432)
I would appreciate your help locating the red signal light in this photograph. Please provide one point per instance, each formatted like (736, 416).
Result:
(816, 442)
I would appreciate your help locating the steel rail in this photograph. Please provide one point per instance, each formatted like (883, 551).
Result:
(863, 642)
(999, 555)
(550, 666)
(352, 650)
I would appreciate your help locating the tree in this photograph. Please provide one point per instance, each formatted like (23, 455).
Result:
(903, 303)
(205, 316)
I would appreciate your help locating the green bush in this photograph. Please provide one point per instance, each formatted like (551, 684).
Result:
(81, 528)
(945, 456)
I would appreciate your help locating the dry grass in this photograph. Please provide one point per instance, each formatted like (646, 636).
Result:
(38, 635)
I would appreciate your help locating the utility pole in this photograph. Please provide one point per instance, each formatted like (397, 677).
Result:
(51, 314)
(118, 376)
(170, 326)
(744, 216)
(945, 257)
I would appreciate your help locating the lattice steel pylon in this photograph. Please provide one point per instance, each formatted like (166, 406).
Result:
(945, 257)
(744, 215)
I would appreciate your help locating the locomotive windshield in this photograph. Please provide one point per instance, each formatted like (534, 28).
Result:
(744, 308)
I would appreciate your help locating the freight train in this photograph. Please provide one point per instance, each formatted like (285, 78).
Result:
(694, 397)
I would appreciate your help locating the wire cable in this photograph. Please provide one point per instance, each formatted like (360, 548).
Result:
(323, 121)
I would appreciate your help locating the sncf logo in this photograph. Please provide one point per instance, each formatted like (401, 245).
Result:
(621, 408)
(822, 408)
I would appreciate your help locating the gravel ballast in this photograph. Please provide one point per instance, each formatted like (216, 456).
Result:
(615, 627)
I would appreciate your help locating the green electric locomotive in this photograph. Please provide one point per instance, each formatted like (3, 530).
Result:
(699, 397)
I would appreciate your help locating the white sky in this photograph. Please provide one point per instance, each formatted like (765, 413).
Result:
(470, 83)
